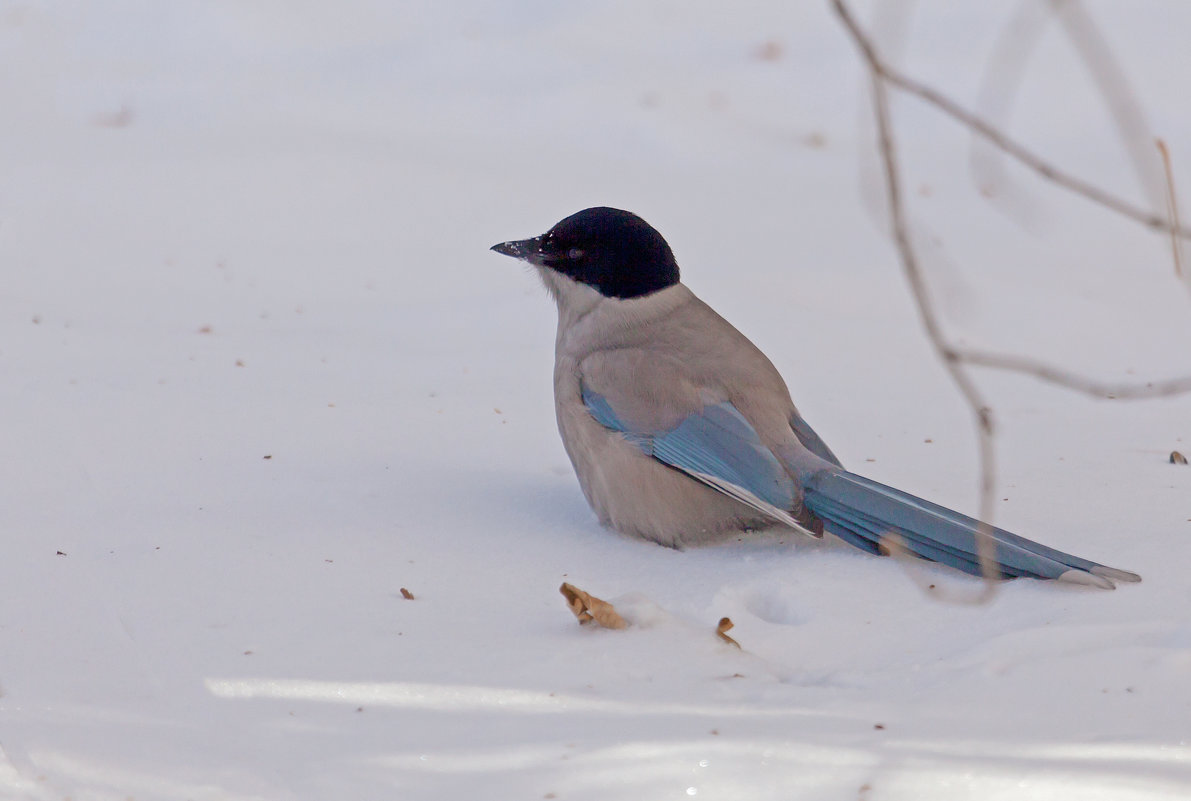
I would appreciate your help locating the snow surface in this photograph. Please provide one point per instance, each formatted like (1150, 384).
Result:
(260, 372)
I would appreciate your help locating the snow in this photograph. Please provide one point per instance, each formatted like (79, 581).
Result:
(261, 373)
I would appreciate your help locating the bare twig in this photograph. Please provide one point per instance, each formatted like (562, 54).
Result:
(881, 73)
(955, 359)
(1015, 149)
(1109, 78)
(982, 415)
(1004, 73)
(1073, 381)
(1172, 209)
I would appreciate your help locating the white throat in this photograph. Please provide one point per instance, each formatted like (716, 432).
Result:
(588, 320)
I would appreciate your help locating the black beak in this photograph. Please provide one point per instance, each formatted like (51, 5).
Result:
(521, 249)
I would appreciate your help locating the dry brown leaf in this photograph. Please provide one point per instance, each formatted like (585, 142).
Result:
(588, 608)
(1177, 458)
(721, 631)
(406, 594)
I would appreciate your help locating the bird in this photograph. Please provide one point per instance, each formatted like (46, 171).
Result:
(682, 432)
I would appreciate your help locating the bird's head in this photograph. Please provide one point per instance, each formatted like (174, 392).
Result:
(615, 252)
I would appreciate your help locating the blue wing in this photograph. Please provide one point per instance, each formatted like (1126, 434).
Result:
(718, 447)
(811, 441)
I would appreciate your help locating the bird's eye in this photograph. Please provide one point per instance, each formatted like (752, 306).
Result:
(574, 253)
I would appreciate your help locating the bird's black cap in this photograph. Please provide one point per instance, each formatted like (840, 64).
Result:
(613, 251)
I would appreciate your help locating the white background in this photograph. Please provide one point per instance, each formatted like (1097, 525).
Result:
(232, 231)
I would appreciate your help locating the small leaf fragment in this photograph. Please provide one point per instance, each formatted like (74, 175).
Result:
(721, 630)
(406, 594)
(588, 608)
(1177, 458)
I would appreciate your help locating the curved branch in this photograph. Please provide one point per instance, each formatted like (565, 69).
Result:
(1015, 149)
(982, 415)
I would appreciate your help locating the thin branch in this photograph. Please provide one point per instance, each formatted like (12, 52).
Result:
(1074, 381)
(1015, 149)
(955, 359)
(1172, 209)
(953, 356)
(982, 415)
(1004, 73)
(1108, 77)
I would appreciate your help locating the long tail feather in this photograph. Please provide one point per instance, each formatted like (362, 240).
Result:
(864, 513)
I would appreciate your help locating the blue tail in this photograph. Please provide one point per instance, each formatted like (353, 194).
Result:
(862, 513)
